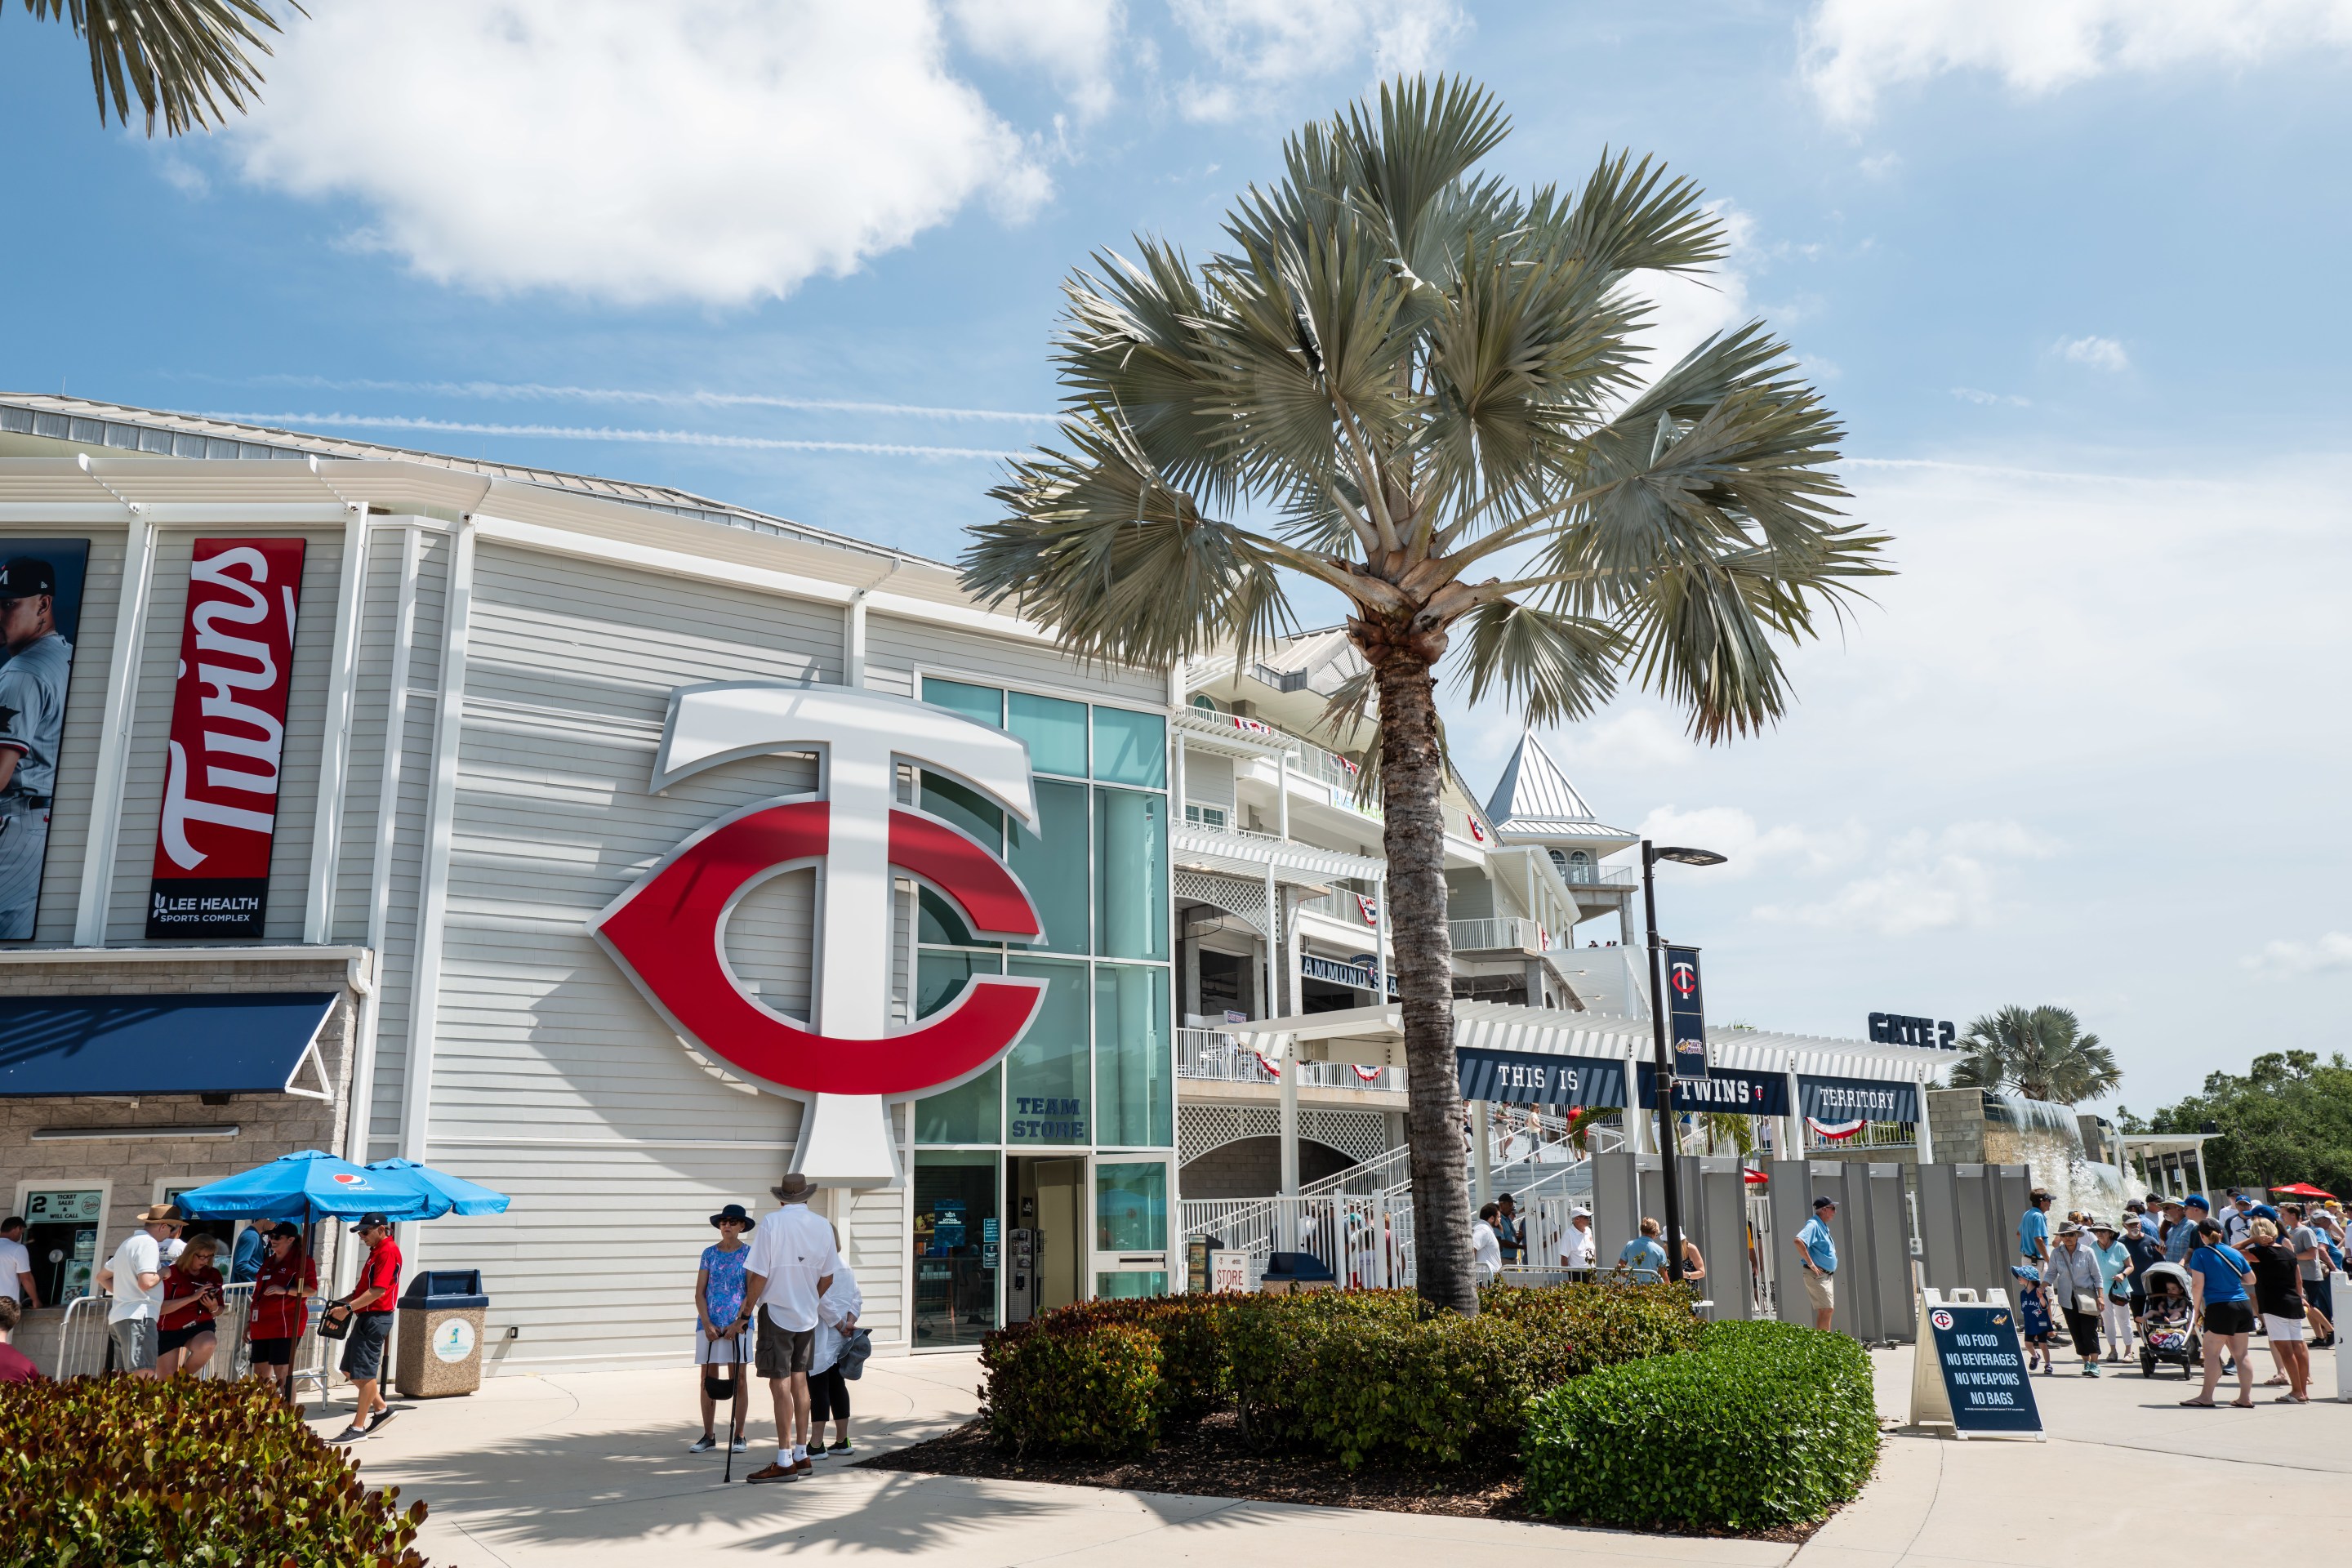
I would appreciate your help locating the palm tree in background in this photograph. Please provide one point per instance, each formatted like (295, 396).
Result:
(181, 58)
(2040, 1052)
(1423, 390)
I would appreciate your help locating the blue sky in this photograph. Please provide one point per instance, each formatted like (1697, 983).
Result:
(2069, 271)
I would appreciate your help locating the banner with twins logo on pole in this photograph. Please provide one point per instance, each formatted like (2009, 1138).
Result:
(219, 820)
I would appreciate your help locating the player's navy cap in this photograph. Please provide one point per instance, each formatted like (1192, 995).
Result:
(23, 576)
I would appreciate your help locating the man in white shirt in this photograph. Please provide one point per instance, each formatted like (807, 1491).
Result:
(2237, 1220)
(1576, 1242)
(792, 1265)
(135, 1275)
(16, 1264)
(1486, 1247)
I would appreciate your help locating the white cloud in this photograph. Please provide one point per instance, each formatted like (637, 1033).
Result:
(1971, 394)
(1626, 738)
(1688, 308)
(2099, 353)
(719, 150)
(1928, 881)
(1733, 833)
(1258, 46)
(2286, 960)
(1073, 40)
(1855, 49)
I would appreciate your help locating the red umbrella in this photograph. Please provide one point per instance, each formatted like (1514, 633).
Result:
(1754, 1178)
(2303, 1190)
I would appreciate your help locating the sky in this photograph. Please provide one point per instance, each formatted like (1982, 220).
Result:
(2068, 269)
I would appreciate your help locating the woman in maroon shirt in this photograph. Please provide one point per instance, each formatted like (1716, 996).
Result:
(192, 1294)
(282, 1289)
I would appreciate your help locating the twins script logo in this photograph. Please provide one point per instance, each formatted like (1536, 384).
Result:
(669, 932)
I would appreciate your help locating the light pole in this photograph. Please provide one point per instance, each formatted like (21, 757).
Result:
(1669, 1143)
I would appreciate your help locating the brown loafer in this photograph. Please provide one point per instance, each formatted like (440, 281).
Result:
(774, 1472)
(804, 1468)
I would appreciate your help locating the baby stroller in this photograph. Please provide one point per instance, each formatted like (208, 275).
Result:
(2168, 1336)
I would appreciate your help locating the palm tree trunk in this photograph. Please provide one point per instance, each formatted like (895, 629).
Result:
(1412, 772)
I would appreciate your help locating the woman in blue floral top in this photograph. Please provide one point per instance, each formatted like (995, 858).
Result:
(718, 1304)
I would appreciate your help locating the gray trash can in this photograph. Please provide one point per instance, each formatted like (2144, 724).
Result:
(440, 1349)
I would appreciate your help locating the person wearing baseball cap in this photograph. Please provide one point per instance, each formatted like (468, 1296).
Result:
(135, 1275)
(1576, 1241)
(1817, 1252)
(34, 663)
(369, 1305)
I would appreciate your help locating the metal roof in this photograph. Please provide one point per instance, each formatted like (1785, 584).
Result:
(1506, 1025)
(1536, 800)
(119, 427)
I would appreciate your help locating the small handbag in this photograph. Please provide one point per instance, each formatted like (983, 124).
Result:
(2087, 1303)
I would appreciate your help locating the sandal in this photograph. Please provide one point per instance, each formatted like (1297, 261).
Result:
(2292, 1399)
(2197, 1405)
(2241, 1404)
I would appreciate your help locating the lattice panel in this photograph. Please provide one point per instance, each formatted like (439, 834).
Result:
(1201, 1128)
(1361, 1135)
(1231, 894)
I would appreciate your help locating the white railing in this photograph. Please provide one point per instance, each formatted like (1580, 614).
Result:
(1591, 876)
(1340, 906)
(1476, 936)
(1214, 1057)
(83, 1340)
(1874, 1135)
(1365, 1241)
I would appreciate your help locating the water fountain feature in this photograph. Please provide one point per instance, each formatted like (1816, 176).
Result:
(1997, 1127)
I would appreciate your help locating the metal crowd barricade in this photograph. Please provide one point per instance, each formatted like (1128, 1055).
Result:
(82, 1341)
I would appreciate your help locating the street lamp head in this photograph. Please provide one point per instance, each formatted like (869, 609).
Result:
(1688, 856)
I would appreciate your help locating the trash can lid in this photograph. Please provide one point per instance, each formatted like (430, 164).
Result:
(435, 1289)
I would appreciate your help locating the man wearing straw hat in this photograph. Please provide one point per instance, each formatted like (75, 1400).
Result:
(792, 1265)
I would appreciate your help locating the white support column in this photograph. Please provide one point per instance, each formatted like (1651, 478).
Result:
(1926, 1141)
(852, 663)
(1795, 1122)
(1181, 795)
(97, 855)
(1282, 796)
(1290, 1126)
(1381, 942)
(1273, 934)
(441, 807)
(361, 1128)
(335, 738)
(1482, 1154)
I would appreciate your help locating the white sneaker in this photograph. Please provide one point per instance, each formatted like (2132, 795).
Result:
(740, 1447)
(704, 1444)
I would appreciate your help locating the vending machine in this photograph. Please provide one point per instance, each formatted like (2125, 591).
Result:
(1020, 1275)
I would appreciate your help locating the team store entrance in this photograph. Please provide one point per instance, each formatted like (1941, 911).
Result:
(1000, 1237)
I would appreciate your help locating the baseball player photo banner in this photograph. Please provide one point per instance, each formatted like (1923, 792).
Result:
(228, 732)
(40, 617)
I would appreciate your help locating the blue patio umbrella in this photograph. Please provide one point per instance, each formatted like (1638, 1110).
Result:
(445, 1192)
(309, 1186)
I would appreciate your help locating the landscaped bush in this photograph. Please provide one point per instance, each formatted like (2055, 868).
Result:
(1358, 1374)
(131, 1470)
(1765, 1423)
(1072, 1386)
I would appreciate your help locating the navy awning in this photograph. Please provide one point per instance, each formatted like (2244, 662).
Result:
(244, 1043)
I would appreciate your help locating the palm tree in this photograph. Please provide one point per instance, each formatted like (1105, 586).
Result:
(1421, 390)
(2040, 1052)
(175, 55)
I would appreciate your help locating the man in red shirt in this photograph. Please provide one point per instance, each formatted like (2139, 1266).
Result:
(371, 1302)
(16, 1366)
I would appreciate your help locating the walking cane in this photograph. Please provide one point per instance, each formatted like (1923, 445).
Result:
(739, 1401)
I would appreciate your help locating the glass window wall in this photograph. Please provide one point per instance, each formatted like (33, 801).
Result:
(955, 1246)
(1132, 1207)
(1045, 1082)
(1135, 1100)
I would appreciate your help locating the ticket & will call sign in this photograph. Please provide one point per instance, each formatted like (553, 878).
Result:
(219, 819)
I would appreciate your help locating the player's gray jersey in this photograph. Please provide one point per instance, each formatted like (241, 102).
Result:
(33, 711)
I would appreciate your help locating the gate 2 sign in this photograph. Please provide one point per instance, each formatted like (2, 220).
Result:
(669, 932)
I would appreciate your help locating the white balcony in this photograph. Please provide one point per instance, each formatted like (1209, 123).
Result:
(1214, 1057)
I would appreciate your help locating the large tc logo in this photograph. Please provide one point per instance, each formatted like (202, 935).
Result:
(669, 930)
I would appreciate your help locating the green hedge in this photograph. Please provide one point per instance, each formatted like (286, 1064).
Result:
(1766, 1424)
(1073, 1387)
(133, 1471)
(1357, 1373)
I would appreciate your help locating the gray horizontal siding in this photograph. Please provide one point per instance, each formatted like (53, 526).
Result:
(894, 643)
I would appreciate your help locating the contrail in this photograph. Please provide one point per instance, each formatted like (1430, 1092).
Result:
(605, 433)
(697, 399)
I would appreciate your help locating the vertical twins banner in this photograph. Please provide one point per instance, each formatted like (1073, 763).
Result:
(1687, 1012)
(228, 732)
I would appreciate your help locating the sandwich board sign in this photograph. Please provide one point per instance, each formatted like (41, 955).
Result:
(1976, 1383)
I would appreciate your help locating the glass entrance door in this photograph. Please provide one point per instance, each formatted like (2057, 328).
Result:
(955, 1243)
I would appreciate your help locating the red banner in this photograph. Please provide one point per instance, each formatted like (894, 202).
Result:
(228, 734)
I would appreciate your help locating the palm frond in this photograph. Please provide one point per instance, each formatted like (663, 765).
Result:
(1123, 566)
(1553, 668)
(183, 59)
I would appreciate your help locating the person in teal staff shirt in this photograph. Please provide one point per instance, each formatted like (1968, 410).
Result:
(1817, 1249)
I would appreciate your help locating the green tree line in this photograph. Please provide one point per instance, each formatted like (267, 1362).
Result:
(2288, 1118)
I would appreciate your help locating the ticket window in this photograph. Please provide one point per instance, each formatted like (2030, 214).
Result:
(61, 1226)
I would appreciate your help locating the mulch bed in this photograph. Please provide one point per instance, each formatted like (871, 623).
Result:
(1214, 1460)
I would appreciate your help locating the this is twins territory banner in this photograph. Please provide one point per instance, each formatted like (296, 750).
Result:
(228, 734)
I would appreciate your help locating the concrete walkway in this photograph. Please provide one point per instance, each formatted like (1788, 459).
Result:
(592, 1468)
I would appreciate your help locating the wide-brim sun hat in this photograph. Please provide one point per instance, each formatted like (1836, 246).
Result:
(735, 1212)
